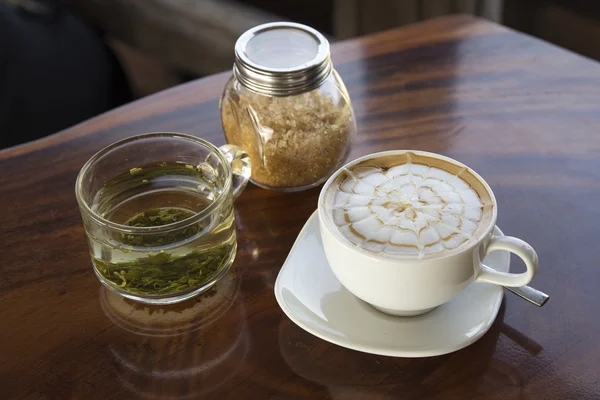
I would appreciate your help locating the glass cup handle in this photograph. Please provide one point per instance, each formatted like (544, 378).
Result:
(240, 167)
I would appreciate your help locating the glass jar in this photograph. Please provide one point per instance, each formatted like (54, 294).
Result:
(287, 107)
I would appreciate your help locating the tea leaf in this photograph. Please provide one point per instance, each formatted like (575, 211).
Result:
(164, 274)
(159, 217)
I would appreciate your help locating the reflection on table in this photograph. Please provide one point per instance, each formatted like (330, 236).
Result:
(179, 351)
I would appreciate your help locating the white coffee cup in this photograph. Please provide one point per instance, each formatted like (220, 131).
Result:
(408, 287)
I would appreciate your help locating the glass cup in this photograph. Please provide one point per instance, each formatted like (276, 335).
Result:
(158, 214)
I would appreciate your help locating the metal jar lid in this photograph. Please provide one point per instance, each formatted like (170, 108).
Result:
(282, 59)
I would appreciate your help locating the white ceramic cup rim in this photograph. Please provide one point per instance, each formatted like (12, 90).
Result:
(327, 222)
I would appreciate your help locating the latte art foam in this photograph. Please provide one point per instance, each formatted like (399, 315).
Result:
(411, 209)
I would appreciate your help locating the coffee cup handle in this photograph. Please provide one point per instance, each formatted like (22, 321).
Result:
(240, 167)
(515, 246)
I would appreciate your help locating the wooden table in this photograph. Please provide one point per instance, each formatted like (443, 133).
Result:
(523, 113)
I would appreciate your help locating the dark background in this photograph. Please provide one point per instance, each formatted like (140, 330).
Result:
(62, 62)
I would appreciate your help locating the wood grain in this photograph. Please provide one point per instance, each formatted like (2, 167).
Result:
(523, 113)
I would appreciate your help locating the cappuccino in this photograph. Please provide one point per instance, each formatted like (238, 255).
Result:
(410, 205)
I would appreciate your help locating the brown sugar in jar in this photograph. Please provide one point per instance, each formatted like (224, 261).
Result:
(293, 116)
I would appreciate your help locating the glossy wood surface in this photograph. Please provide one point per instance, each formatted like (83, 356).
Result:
(523, 113)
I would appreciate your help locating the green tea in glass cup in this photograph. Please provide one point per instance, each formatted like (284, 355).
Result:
(158, 214)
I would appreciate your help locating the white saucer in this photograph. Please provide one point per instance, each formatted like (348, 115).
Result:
(310, 295)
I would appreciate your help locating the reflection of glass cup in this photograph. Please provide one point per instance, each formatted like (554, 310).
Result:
(179, 351)
(170, 320)
(158, 213)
